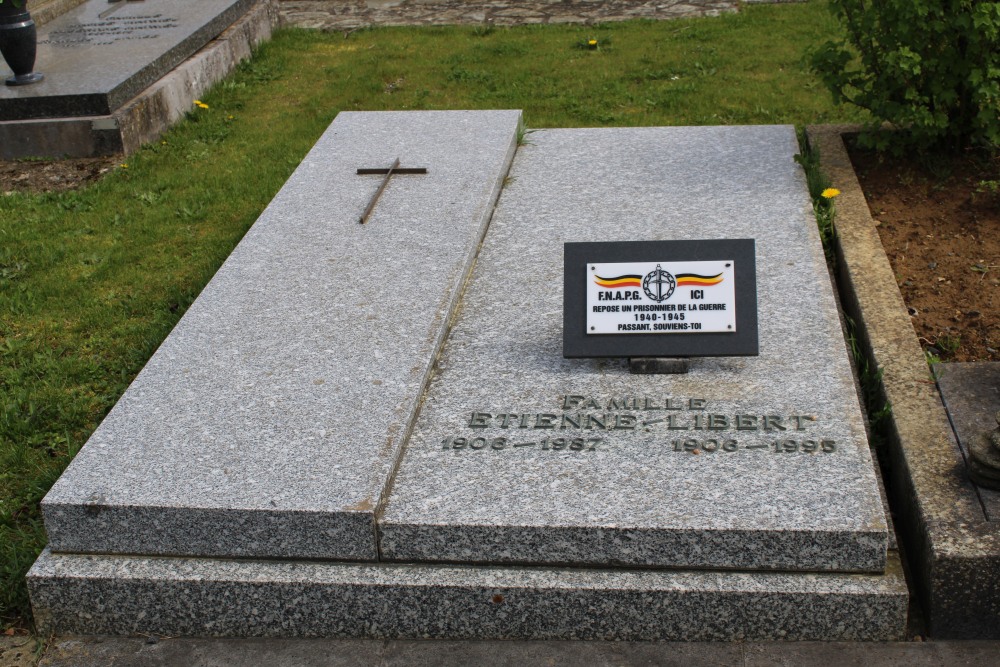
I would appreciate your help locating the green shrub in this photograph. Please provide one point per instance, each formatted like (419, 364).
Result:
(929, 67)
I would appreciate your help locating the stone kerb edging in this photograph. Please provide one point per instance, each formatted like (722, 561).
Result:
(953, 551)
(352, 14)
(152, 112)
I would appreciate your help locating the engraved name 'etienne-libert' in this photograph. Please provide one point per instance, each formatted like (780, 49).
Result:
(576, 427)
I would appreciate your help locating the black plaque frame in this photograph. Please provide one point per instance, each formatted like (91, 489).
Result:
(577, 343)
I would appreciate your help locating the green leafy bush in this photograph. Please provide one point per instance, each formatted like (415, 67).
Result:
(929, 67)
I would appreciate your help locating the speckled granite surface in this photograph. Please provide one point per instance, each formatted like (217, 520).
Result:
(186, 597)
(265, 428)
(269, 420)
(687, 472)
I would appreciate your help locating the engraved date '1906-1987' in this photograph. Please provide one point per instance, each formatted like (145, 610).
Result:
(500, 444)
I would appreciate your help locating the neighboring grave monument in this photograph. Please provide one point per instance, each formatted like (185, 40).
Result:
(102, 62)
(968, 592)
(949, 523)
(371, 429)
(984, 464)
(971, 392)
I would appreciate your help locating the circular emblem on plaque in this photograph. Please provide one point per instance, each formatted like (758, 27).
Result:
(658, 284)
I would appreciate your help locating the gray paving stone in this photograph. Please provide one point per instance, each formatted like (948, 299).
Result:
(98, 55)
(174, 652)
(633, 498)
(562, 654)
(352, 14)
(270, 419)
(842, 654)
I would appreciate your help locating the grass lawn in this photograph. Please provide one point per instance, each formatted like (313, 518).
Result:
(91, 281)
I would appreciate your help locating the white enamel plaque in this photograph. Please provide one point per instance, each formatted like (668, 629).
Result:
(661, 297)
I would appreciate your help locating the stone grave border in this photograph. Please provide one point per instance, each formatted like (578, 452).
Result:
(43, 11)
(952, 550)
(150, 113)
(350, 15)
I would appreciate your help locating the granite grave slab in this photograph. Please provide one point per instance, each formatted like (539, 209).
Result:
(752, 463)
(98, 55)
(269, 421)
(292, 434)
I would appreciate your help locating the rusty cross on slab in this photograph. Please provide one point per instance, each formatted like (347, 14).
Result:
(389, 173)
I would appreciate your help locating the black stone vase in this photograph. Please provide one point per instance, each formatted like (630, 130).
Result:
(18, 40)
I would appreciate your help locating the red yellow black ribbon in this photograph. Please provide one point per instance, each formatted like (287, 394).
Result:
(619, 281)
(695, 279)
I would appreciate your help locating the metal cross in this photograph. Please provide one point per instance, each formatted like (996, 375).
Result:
(394, 169)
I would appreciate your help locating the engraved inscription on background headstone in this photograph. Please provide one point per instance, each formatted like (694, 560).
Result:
(112, 29)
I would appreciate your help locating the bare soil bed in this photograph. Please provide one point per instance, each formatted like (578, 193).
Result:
(939, 221)
(52, 175)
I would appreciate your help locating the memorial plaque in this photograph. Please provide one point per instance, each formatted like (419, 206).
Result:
(99, 55)
(660, 299)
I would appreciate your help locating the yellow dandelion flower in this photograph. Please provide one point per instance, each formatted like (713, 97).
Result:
(124, 166)
(829, 193)
(592, 42)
